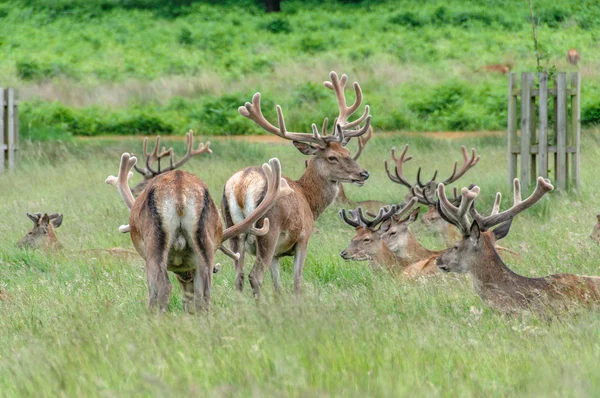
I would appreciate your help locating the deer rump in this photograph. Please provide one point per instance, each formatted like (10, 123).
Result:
(176, 212)
(245, 191)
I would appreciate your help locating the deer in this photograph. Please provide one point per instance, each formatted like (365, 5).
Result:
(293, 217)
(386, 242)
(174, 225)
(425, 192)
(495, 68)
(497, 285)
(42, 234)
(149, 172)
(573, 57)
(595, 236)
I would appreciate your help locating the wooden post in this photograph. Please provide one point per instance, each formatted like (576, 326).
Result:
(576, 129)
(532, 132)
(543, 132)
(511, 131)
(561, 131)
(3, 146)
(526, 80)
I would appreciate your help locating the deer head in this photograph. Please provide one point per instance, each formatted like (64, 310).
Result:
(477, 237)
(330, 158)
(396, 234)
(149, 172)
(42, 234)
(595, 236)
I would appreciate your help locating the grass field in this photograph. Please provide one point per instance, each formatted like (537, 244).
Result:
(96, 67)
(73, 323)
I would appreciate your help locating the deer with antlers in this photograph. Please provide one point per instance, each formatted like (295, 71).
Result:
(150, 171)
(175, 226)
(494, 282)
(42, 234)
(292, 218)
(386, 242)
(425, 192)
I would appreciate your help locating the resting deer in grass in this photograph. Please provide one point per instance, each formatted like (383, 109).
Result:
(42, 234)
(426, 195)
(595, 236)
(386, 242)
(149, 172)
(292, 218)
(175, 226)
(494, 282)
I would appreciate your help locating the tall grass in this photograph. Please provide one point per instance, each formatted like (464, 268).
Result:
(73, 323)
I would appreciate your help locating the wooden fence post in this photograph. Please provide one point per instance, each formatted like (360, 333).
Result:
(576, 128)
(543, 132)
(561, 131)
(526, 80)
(3, 146)
(10, 103)
(512, 127)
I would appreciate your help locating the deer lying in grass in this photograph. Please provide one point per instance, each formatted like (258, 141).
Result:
(426, 191)
(175, 226)
(494, 282)
(292, 218)
(386, 242)
(595, 236)
(149, 172)
(42, 234)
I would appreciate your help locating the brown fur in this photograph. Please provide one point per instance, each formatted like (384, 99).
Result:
(502, 289)
(42, 234)
(292, 217)
(495, 68)
(573, 56)
(595, 236)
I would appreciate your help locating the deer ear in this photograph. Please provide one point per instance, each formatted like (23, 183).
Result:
(598, 217)
(306, 149)
(56, 220)
(413, 216)
(475, 232)
(502, 230)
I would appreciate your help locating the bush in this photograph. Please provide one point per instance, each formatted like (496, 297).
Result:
(409, 19)
(278, 25)
(590, 114)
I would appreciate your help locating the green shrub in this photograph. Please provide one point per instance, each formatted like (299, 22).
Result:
(278, 25)
(408, 19)
(590, 114)
(185, 37)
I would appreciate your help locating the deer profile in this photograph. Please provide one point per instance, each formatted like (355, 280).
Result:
(573, 56)
(497, 285)
(386, 242)
(175, 226)
(292, 218)
(595, 236)
(425, 191)
(149, 172)
(42, 234)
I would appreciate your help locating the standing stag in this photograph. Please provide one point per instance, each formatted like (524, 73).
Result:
(292, 218)
(425, 192)
(497, 285)
(149, 172)
(175, 226)
(573, 56)
(386, 242)
(42, 234)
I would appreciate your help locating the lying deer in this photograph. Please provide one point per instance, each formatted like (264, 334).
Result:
(149, 172)
(497, 285)
(175, 226)
(42, 234)
(427, 190)
(386, 241)
(292, 218)
(595, 236)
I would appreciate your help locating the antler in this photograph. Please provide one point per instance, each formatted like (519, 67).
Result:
(399, 177)
(122, 183)
(152, 157)
(358, 218)
(467, 164)
(543, 186)
(337, 85)
(453, 214)
(362, 142)
(276, 188)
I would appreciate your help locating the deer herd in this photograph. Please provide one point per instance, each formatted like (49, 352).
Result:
(175, 224)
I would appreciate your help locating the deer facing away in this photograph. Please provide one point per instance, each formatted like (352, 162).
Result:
(42, 234)
(292, 218)
(175, 226)
(497, 285)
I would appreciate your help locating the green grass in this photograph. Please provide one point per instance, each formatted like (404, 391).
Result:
(73, 323)
(131, 67)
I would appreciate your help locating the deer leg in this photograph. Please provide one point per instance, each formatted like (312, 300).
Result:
(299, 259)
(159, 286)
(238, 245)
(265, 249)
(275, 275)
(186, 280)
(203, 280)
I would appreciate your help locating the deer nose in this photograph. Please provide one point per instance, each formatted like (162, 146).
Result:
(344, 254)
(365, 175)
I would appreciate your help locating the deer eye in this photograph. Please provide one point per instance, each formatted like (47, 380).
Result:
(367, 240)
(332, 159)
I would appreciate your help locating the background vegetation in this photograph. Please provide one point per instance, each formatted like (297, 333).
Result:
(73, 323)
(96, 67)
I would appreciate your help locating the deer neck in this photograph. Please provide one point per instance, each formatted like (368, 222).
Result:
(388, 259)
(416, 251)
(318, 190)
